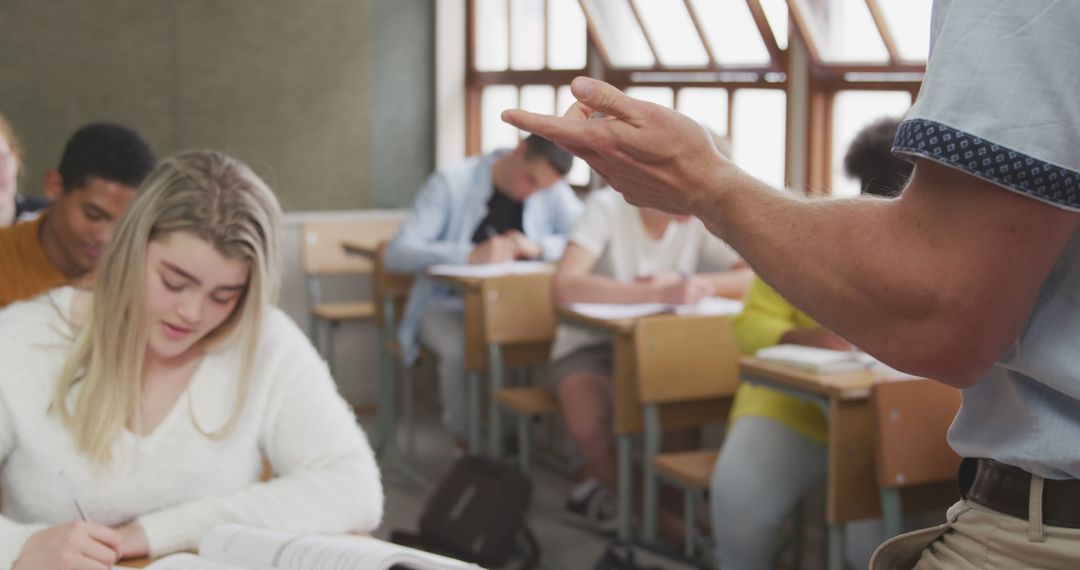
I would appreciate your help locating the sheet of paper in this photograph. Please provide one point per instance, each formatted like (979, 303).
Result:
(617, 311)
(491, 269)
(713, 306)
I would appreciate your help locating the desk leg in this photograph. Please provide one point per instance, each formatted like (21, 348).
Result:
(836, 546)
(650, 510)
(891, 512)
(495, 374)
(476, 443)
(626, 484)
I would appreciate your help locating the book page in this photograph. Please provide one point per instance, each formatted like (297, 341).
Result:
(191, 562)
(268, 549)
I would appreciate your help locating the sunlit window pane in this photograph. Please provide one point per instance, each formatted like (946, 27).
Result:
(580, 171)
(757, 135)
(491, 35)
(659, 95)
(707, 106)
(732, 34)
(672, 31)
(538, 98)
(620, 33)
(494, 132)
(853, 110)
(843, 30)
(776, 12)
(527, 34)
(909, 23)
(566, 36)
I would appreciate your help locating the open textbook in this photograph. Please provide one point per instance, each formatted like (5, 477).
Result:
(236, 547)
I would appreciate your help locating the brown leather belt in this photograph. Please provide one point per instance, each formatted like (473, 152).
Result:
(1006, 489)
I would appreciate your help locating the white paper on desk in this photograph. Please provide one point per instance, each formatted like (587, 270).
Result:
(712, 306)
(618, 311)
(820, 360)
(491, 269)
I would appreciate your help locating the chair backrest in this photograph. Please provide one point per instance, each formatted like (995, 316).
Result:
(322, 251)
(387, 285)
(518, 309)
(912, 419)
(685, 358)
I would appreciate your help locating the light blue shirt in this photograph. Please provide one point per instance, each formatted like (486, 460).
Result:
(1001, 101)
(440, 227)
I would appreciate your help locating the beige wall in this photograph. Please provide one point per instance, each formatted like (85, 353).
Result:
(282, 84)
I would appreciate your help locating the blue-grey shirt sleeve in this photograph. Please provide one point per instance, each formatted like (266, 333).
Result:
(1001, 96)
(421, 241)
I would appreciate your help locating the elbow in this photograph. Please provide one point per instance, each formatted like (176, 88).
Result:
(947, 351)
(364, 497)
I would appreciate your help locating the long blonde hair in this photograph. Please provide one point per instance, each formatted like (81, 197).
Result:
(214, 197)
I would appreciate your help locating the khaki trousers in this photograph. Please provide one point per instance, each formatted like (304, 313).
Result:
(976, 537)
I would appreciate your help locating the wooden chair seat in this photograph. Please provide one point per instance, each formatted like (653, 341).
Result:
(691, 469)
(534, 401)
(344, 311)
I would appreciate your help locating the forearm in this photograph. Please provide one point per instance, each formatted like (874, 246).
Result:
(342, 495)
(731, 284)
(406, 255)
(885, 275)
(592, 288)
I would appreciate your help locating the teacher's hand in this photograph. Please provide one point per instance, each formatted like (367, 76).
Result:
(656, 157)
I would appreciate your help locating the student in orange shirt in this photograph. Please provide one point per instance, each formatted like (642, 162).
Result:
(100, 169)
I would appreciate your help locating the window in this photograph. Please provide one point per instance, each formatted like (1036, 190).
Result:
(721, 62)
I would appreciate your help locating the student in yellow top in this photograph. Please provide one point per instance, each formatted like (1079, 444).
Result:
(774, 449)
(101, 166)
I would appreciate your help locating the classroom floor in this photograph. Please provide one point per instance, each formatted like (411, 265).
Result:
(563, 546)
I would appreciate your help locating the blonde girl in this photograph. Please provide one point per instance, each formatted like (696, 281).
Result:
(151, 400)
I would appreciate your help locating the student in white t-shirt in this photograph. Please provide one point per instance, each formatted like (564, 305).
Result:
(618, 253)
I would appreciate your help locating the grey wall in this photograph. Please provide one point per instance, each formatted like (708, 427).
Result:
(329, 100)
(403, 93)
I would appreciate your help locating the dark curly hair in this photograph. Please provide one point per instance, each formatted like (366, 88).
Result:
(870, 159)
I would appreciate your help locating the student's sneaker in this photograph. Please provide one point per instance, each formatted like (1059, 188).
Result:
(591, 505)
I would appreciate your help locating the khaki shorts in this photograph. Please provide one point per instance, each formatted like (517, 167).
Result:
(976, 537)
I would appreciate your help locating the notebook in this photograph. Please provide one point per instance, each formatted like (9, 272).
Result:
(820, 360)
(236, 547)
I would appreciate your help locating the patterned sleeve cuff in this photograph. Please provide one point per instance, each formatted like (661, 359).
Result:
(1011, 169)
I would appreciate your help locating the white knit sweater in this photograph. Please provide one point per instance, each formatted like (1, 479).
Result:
(175, 481)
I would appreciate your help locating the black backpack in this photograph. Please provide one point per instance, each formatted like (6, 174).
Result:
(477, 514)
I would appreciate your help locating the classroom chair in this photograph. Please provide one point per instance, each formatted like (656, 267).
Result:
(687, 369)
(517, 312)
(527, 404)
(911, 420)
(323, 254)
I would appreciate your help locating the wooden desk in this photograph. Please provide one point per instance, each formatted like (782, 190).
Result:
(135, 563)
(627, 414)
(361, 248)
(477, 347)
(851, 490)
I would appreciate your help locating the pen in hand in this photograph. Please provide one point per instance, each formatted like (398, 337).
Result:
(82, 513)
